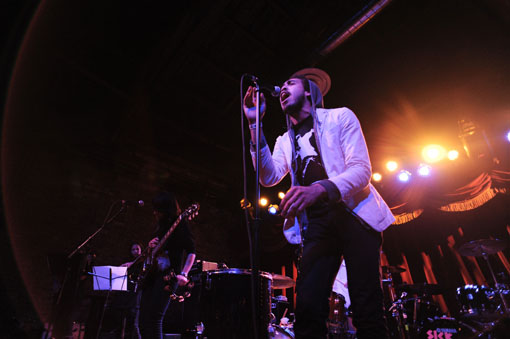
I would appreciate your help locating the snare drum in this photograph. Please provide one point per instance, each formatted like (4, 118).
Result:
(226, 303)
(477, 301)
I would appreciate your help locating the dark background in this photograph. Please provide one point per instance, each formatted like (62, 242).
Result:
(117, 100)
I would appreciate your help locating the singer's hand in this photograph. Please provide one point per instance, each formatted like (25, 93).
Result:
(249, 105)
(300, 197)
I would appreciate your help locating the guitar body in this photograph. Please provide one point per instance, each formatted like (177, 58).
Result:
(156, 260)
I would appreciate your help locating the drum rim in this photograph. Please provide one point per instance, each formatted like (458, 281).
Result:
(240, 271)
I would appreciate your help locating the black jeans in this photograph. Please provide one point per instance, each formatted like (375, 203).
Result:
(332, 232)
(153, 303)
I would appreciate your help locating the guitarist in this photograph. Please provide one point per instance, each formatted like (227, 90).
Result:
(179, 248)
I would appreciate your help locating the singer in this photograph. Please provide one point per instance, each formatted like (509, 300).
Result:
(331, 203)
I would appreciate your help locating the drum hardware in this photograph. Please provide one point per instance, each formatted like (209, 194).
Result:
(279, 308)
(423, 289)
(483, 248)
(337, 320)
(392, 269)
(410, 314)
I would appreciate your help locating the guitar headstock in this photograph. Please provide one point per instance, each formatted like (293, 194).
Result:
(191, 212)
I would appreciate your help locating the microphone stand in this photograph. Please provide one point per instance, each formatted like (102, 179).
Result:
(107, 221)
(255, 224)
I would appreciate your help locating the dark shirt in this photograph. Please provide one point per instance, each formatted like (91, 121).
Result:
(309, 167)
(180, 242)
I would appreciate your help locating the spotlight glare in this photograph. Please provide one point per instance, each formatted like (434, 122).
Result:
(508, 136)
(453, 154)
(424, 170)
(391, 165)
(281, 195)
(404, 176)
(273, 209)
(263, 202)
(377, 177)
(433, 153)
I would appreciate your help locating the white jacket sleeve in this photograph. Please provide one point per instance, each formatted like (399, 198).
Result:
(273, 167)
(357, 173)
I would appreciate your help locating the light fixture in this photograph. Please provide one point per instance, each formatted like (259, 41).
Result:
(453, 154)
(391, 165)
(424, 170)
(433, 153)
(377, 177)
(273, 209)
(263, 202)
(404, 176)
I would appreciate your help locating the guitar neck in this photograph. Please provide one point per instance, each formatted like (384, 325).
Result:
(163, 240)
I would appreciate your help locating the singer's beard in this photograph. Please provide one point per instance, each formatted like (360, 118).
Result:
(295, 108)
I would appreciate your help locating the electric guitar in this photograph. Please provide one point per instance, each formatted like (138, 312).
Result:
(152, 259)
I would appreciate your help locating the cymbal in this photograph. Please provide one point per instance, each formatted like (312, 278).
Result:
(480, 247)
(281, 282)
(393, 269)
(423, 288)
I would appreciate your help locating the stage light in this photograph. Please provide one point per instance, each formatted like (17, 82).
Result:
(377, 177)
(453, 154)
(424, 170)
(273, 209)
(281, 195)
(391, 166)
(263, 202)
(404, 176)
(508, 136)
(433, 153)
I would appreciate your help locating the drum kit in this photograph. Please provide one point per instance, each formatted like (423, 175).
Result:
(414, 314)
(411, 312)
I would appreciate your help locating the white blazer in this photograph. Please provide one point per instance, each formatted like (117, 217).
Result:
(345, 158)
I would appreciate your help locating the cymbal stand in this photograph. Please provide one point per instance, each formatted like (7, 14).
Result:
(496, 284)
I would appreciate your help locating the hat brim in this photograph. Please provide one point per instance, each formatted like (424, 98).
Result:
(321, 78)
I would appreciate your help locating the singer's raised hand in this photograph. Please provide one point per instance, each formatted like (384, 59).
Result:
(249, 103)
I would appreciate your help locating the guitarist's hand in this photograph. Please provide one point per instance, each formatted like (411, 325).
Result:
(153, 243)
(181, 280)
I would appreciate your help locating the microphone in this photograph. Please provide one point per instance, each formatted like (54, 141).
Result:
(273, 90)
(138, 203)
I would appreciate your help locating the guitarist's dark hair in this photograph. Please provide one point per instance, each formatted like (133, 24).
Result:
(165, 202)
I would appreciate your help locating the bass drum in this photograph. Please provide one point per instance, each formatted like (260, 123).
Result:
(444, 327)
(226, 310)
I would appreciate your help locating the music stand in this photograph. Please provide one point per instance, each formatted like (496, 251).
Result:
(108, 278)
(111, 278)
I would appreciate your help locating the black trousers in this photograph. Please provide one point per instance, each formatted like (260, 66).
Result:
(332, 231)
(153, 303)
